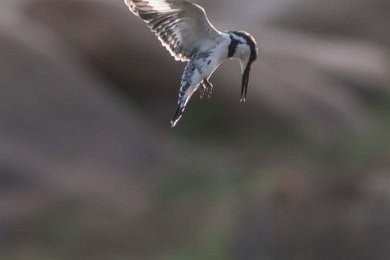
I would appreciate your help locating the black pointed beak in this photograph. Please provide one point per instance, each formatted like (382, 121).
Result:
(245, 81)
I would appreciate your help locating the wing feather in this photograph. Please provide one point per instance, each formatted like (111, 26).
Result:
(181, 26)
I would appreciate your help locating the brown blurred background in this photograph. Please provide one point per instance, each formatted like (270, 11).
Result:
(90, 168)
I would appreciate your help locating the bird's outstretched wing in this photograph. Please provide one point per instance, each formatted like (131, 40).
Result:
(181, 26)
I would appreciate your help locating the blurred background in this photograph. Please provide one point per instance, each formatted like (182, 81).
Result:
(90, 168)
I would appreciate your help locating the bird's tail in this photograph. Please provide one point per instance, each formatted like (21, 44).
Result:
(185, 93)
(178, 114)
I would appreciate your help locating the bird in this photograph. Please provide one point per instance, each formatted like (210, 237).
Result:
(186, 32)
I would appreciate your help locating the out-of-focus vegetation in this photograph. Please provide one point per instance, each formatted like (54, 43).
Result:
(90, 168)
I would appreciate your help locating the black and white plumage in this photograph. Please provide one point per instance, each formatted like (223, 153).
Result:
(184, 29)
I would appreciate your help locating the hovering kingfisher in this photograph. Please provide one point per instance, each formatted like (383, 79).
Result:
(184, 29)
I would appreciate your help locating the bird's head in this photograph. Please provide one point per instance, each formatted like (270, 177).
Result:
(244, 47)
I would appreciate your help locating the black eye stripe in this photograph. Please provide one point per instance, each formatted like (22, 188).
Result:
(250, 41)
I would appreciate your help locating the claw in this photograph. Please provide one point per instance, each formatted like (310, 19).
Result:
(208, 87)
(202, 90)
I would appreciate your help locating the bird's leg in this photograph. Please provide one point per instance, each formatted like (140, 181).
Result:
(202, 90)
(205, 88)
(208, 87)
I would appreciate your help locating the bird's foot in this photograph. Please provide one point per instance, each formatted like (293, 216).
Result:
(206, 88)
(202, 90)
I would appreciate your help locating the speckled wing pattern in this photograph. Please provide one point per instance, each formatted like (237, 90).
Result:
(181, 26)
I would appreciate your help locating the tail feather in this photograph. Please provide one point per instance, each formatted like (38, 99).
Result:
(178, 114)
